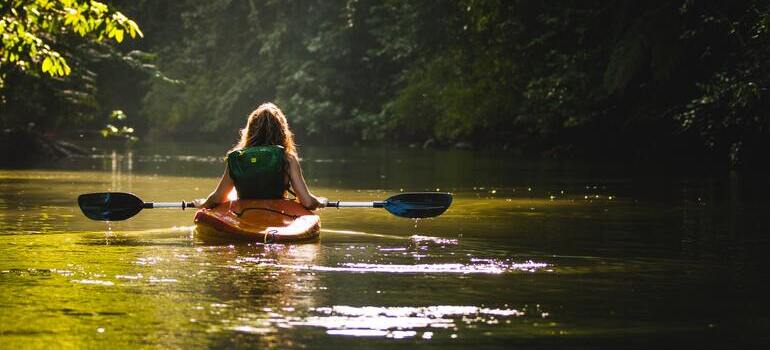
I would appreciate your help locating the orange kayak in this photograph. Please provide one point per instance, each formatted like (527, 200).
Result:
(257, 220)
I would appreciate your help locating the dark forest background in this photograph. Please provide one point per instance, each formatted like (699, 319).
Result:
(618, 79)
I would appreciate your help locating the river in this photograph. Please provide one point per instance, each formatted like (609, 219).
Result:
(532, 254)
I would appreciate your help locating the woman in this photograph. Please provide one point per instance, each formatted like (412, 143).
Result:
(264, 164)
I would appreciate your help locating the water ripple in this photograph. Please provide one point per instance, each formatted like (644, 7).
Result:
(481, 266)
(391, 322)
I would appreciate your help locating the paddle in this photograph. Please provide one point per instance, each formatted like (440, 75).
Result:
(406, 205)
(117, 206)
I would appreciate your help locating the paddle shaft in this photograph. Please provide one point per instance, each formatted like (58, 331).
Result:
(167, 205)
(339, 204)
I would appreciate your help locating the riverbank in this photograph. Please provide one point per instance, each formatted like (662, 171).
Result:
(24, 146)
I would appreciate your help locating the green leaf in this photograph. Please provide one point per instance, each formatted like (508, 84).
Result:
(118, 115)
(135, 29)
(47, 65)
(66, 67)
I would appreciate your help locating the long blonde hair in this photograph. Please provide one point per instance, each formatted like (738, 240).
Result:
(267, 125)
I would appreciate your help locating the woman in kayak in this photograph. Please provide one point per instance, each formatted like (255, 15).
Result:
(264, 164)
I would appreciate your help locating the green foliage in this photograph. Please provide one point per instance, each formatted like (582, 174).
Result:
(115, 129)
(27, 27)
(730, 108)
(51, 57)
(591, 75)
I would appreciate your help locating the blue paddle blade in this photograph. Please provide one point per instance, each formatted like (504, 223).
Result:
(418, 204)
(109, 206)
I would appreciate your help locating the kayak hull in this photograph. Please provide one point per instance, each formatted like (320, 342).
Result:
(257, 220)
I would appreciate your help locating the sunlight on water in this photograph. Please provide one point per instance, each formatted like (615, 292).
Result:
(420, 247)
(492, 267)
(417, 239)
(360, 233)
(157, 158)
(518, 257)
(97, 282)
(399, 322)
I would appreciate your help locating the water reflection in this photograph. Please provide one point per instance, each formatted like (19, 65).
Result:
(479, 266)
(388, 322)
(273, 290)
(525, 253)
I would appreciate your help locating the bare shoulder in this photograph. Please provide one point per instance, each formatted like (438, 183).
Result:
(292, 159)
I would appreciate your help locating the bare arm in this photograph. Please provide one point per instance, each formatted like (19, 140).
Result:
(307, 199)
(220, 193)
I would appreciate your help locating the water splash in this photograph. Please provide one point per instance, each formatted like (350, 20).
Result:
(418, 239)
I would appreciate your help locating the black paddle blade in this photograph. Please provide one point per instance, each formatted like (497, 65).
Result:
(418, 204)
(109, 206)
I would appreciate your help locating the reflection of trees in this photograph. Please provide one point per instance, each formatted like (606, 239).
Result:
(719, 226)
(712, 219)
(724, 229)
(118, 164)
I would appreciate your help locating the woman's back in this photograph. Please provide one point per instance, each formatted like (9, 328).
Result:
(264, 163)
(258, 172)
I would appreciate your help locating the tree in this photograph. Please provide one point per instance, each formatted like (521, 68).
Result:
(30, 29)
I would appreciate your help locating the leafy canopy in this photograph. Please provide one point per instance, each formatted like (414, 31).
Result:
(29, 29)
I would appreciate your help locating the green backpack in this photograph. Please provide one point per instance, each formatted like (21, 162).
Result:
(258, 172)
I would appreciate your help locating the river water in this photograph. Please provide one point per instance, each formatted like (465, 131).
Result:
(532, 254)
